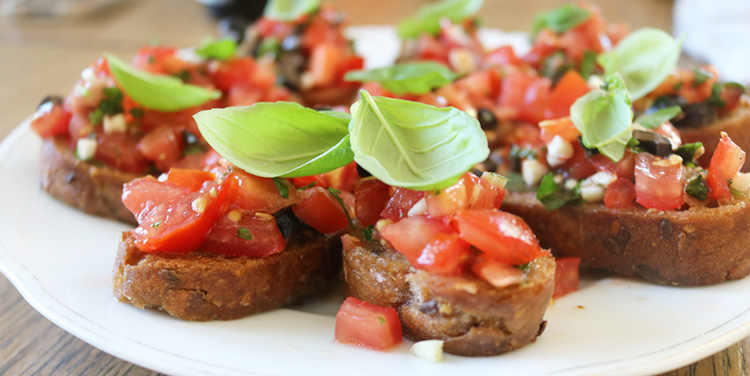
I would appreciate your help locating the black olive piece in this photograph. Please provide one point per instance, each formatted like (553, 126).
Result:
(653, 143)
(233, 27)
(288, 223)
(477, 172)
(188, 138)
(514, 163)
(291, 65)
(55, 99)
(487, 119)
(586, 151)
(695, 115)
(362, 172)
(324, 108)
(248, 9)
(664, 101)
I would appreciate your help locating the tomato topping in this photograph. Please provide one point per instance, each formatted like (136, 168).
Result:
(233, 71)
(121, 150)
(622, 168)
(400, 203)
(370, 198)
(245, 233)
(620, 194)
(503, 55)
(448, 201)
(162, 145)
(259, 194)
(726, 162)
(50, 119)
(324, 64)
(344, 178)
(501, 236)
(367, 325)
(152, 59)
(190, 179)
(566, 276)
(659, 182)
(562, 127)
(570, 87)
(428, 244)
(320, 209)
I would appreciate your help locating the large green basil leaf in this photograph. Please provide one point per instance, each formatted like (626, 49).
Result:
(278, 139)
(428, 17)
(289, 10)
(561, 19)
(644, 59)
(604, 117)
(407, 78)
(158, 92)
(414, 145)
(221, 49)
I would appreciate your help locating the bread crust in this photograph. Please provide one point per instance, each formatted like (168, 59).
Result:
(698, 246)
(92, 188)
(737, 126)
(470, 315)
(201, 286)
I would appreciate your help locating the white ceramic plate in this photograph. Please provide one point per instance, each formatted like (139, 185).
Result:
(60, 260)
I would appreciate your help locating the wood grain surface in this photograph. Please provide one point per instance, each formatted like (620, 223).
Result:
(41, 56)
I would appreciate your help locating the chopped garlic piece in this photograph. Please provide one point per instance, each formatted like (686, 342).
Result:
(431, 350)
(234, 216)
(199, 205)
(592, 193)
(462, 60)
(495, 179)
(114, 123)
(741, 182)
(532, 171)
(85, 149)
(419, 208)
(558, 151)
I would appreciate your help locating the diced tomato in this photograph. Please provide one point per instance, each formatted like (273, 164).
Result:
(731, 94)
(245, 233)
(141, 194)
(446, 254)
(367, 325)
(190, 179)
(121, 151)
(620, 194)
(503, 55)
(669, 131)
(513, 89)
(501, 236)
(545, 44)
(422, 240)
(536, 100)
(319, 32)
(429, 48)
(233, 71)
(659, 183)
(570, 87)
(496, 273)
(254, 193)
(448, 201)
(483, 194)
(566, 276)
(324, 63)
(242, 94)
(51, 119)
(344, 178)
(623, 168)
(349, 63)
(371, 197)
(726, 162)
(482, 84)
(163, 145)
(319, 208)
(562, 127)
(578, 166)
(152, 58)
(400, 203)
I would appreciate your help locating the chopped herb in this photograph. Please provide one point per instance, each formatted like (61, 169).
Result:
(367, 235)
(700, 76)
(715, 98)
(697, 188)
(437, 192)
(110, 104)
(136, 112)
(561, 19)
(156, 224)
(678, 86)
(588, 64)
(282, 186)
(96, 117)
(191, 150)
(151, 60)
(522, 153)
(244, 233)
(335, 192)
(516, 183)
(689, 153)
(554, 196)
(735, 192)
(381, 320)
(269, 46)
(302, 188)
(735, 85)
(525, 267)
(183, 75)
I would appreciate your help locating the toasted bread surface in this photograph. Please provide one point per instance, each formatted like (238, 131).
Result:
(473, 317)
(202, 286)
(92, 188)
(697, 246)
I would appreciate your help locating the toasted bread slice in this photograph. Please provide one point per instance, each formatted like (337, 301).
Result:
(92, 188)
(737, 126)
(473, 317)
(202, 286)
(697, 246)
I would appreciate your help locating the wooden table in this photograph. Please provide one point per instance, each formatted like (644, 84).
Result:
(45, 56)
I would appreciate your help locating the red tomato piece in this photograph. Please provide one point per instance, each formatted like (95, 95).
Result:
(367, 325)
(233, 71)
(570, 87)
(566, 276)
(324, 64)
(484, 195)
(578, 166)
(400, 203)
(370, 198)
(659, 183)
(320, 209)
(448, 201)
(349, 63)
(726, 162)
(513, 89)
(254, 193)
(162, 145)
(152, 59)
(620, 194)
(412, 234)
(503, 55)
(501, 236)
(623, 168)
(562, 127)
(51, 119)
(536, 100)
(190, 179)
(245, 233)
(446, 254)
(121, 151)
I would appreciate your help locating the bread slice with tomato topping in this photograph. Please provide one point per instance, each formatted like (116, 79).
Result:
(454, 267)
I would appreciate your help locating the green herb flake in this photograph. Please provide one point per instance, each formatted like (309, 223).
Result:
(367, 234)
(96, 117)
(416, 77)
(697, 188)
(700, 76)
(192, 150)
(156, 224)
(221, 49)
(588, 64)
(523, 153)
(516, 184)
(689, 153)
(715, 98)
(561, 19)
(381, 320)
(678, 86)
(335, 192)
(554, 196)
(289, 10)
(525, 267)
(282, 186)
(244, 233)
(136, 112)
(304, 187)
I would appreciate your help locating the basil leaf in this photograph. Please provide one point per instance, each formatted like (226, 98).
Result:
(697, 188)
(158, 92)
(715, 98)
(700, 76)
(604, 118)
(289, 10)
(428, 18)
(277, 139)
(657, 118)
(588, 64)
(414, 145)
(644, 59)
(407, 78)
(561, 19)
(690, 152)
(282, 187)
(221, 49)
(554, 196)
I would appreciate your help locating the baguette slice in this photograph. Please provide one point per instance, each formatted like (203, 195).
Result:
(470, 315)
(737, 126)
(91, 188)
(201, 286)
(698, 246)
